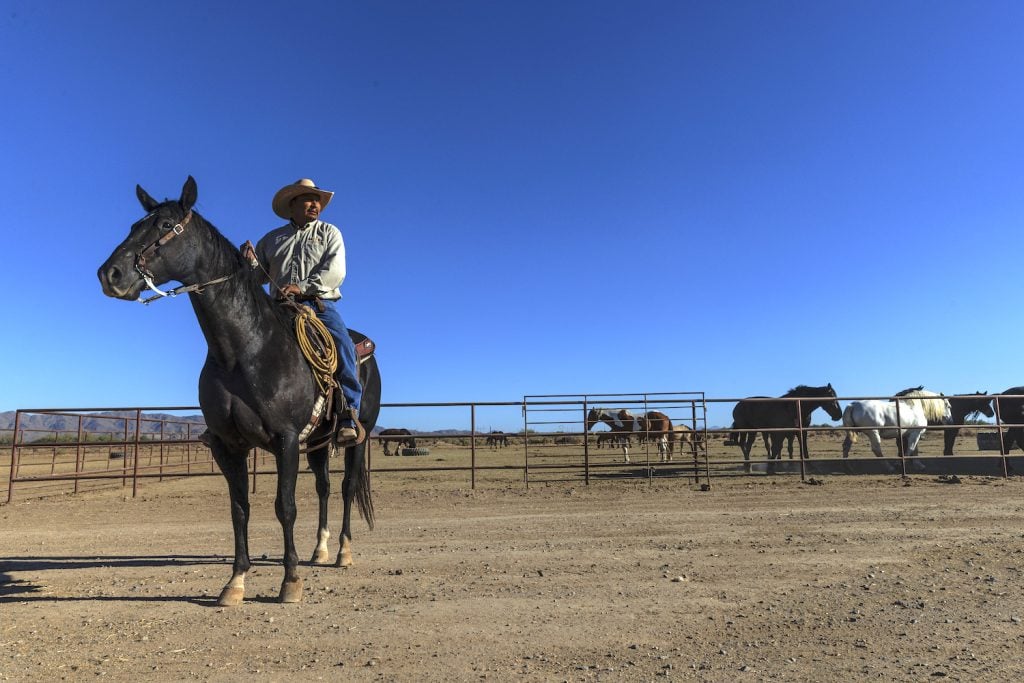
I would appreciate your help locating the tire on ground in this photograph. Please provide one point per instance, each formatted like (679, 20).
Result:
(415, 451)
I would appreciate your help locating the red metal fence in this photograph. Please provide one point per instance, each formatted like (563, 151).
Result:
(122, 447)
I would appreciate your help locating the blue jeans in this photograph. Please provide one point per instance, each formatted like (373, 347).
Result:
(348, 369)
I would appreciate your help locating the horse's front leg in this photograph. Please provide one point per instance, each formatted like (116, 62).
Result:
(233, 465)
(318, 463)
(949, 439)
(284, 505)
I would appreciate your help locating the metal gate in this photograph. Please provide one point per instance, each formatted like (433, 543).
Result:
(561, 444)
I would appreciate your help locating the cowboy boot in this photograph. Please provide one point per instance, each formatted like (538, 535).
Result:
(350, 430)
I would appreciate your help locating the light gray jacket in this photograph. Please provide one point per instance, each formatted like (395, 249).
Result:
(311, 256)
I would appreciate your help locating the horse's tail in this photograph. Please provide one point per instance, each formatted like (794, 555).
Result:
(848, 421)
(361, 485)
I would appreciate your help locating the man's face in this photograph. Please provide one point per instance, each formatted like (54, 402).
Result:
(305, 208)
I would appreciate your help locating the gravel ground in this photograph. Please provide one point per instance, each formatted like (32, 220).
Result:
(863, 578)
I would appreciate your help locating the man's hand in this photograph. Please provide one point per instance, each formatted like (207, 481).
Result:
(249, 253)
(291, 290)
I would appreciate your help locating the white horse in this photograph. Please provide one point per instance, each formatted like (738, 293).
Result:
(936, 406)
(880, 420)
(622, 423)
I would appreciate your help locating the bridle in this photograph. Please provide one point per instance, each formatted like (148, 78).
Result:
(147, 275)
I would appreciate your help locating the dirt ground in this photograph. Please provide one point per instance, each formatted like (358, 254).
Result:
(757, 579)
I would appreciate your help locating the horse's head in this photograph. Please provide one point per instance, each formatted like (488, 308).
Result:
(593, 417)
(832, 405)
(157, 248)
(982, 404)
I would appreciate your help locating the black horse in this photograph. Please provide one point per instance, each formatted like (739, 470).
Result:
(1011, 414)
(256, 388)
(960, 408)
(777, 414)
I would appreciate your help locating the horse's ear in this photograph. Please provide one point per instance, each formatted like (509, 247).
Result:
(148, 203)
(189, 192)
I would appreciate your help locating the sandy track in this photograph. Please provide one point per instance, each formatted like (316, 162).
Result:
(861, 577)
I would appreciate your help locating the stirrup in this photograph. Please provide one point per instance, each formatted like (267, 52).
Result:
(357, 432)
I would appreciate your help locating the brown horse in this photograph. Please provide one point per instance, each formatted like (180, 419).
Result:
(657, 426)
(689, 439)
(609, 438)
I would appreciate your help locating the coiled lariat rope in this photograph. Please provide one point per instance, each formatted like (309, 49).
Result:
(318, 347)
(314, 339)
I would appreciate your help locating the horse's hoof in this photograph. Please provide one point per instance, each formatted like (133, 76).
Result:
(291, 591)
(344, 553)
(320, 557)
(230, 597)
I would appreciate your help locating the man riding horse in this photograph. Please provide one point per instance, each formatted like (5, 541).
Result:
(305, 259)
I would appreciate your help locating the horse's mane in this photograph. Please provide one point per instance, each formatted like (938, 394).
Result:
(230, 259)
(934, 406)
(804, 390)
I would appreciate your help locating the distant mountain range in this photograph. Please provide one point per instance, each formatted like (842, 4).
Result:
(113, 422)
(39, 426)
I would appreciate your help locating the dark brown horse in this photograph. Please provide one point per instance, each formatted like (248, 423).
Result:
(960, 407)
(793, 409)
(256, 389)
(497, 439)
(1010, 409)
(611, 439)
(399, 436)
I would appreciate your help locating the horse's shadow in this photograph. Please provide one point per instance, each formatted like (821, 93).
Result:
(20, 590)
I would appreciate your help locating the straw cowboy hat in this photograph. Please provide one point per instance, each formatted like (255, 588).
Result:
(301, 186)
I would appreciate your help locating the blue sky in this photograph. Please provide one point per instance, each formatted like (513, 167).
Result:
(536, 197)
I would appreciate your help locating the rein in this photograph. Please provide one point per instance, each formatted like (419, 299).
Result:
(147, 275)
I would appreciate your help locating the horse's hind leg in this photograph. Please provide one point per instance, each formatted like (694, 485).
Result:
(355, 487)
(233, 465)
(318, 463)
(876, 444)
(747, 443)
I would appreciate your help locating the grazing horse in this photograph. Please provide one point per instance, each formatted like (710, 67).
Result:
(399, 436)
(777, 414)
(881, 421)
(657, 425)
(622, 423)
(257, 388)
(1011, 414)
(960, 408)
(497, 439)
